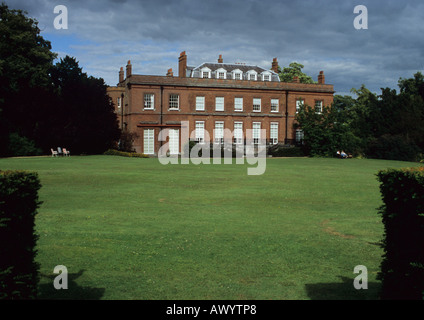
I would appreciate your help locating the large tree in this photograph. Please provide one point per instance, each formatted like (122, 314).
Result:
(25, 61)
(294, 69)
(84, 121)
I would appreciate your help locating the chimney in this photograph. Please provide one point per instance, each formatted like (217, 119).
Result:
(274, 65)
(220, 60)
(121, 75)
(182, 65)
(321, 77)
(129, 68)
(170, 73)
(296, 79)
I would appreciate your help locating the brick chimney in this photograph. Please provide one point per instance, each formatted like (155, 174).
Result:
(321, 77)
(170, 73)
(182, 65)
(274, 65)
(129, 69)
(296, 79)
(121, 75)
(220, 60)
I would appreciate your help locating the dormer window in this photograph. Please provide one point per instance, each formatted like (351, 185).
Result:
(221, 73)
(252, 75)
(205, 73)
(266, 76)
(237, 74)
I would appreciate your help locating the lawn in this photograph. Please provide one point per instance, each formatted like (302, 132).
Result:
(130, 228)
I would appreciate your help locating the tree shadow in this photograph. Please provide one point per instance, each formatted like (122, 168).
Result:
(47, 291)
(342, 291)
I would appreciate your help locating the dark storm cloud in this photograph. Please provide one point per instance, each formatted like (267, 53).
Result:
(318, 34)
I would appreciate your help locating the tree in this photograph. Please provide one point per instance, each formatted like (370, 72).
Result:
(294, 69)
(25, 62)
(84, 121)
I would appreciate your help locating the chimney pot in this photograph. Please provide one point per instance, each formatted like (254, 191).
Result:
(220, 60)
(274, 65)
(296, 79)
(170, 73)
(321, 77)
(129, 68)
(121, 74)
(182, 65)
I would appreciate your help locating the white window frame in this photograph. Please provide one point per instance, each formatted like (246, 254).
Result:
(266, 74)
(257, 105)
(318, 105)
(300, 135)
(273, 133)
(252, 74)
(219, 71)
(238, 101)
(299, 104)
(174, 141)
(172, 102)
(256, 132)
(236, 73)
(200, 132)
(149, 141)
(276, 103)
(219, 103)
(148, 101)
(200, 103)
(219, 132)
(205, 71)
(238, 132)
(118, 102)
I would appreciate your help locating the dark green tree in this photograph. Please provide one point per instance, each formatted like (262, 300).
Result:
(25, 61)
(294, 69)
(85, 121)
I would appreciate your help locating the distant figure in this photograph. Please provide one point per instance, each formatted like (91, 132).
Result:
(344, 155)
(338, 154)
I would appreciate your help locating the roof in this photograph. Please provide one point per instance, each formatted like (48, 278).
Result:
(195, 72)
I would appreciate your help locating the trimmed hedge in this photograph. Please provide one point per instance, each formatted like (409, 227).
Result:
(402, 268)
(18, 207)
(284, 151)
(112, 152)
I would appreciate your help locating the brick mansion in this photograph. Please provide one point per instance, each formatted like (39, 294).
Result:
(212, 97)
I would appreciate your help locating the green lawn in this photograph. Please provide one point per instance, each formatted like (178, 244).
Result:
(129, 228)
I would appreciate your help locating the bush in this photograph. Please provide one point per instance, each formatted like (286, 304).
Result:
(18, 207)
(112, 152)
(22, 146)
(284, 151)
(402, 268)
(393, 147)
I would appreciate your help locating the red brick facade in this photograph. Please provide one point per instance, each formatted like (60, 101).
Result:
(145, 103)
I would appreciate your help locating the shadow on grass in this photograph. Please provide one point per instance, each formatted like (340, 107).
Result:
(342, 291)
(74, 291)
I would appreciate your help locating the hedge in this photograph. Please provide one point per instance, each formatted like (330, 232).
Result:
(402, 268)
(112, 152)
(284, 151)
(18, 208)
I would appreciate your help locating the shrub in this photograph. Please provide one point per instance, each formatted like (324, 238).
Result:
(393, 147)
(284, 151)
(112, 152)
(22, 146)
(402, 268)
(18, 207)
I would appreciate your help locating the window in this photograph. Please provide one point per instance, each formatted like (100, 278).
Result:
(299, 104)
(238, 132)
(256, 132)
(251, 75)
(200, 103)
(174, 101)
(318, 106)
(200, 131)
(237, 76)
(219, 132)
(205, 73)
(219, 104)
(274, 105)
(273, 133)
(299, 136)
(149, 141)
(174, 141)
(149, 101)
(221, 73)
(238, 104)
(266, 76)
(257, 105)
(119, 103)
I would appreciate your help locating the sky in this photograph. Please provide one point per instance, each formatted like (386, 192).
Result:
(319, 34)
